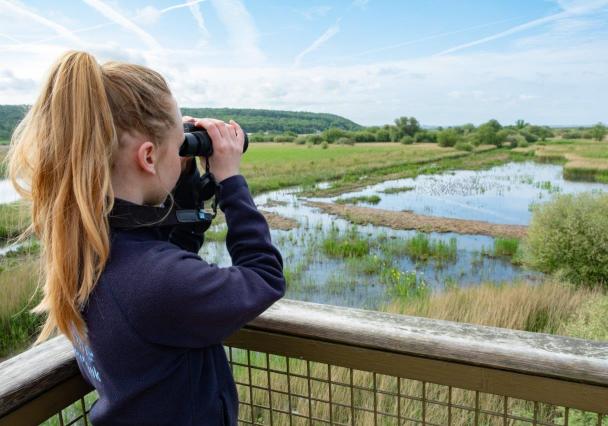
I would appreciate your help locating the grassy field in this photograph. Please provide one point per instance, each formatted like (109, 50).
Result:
(273, 166)
(583, 159)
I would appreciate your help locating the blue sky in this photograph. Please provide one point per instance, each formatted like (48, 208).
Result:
(443, 61)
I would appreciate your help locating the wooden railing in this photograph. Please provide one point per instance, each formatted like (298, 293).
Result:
(306, 363)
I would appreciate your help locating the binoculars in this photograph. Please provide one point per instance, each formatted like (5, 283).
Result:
(197, 142)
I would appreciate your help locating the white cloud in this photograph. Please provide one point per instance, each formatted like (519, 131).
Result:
(19, 11)
(325, 37)
(124, 22)
(315, 12)
(242, 32)
(571, 8)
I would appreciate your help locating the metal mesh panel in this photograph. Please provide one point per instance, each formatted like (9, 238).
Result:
(276, 390)
(75, 414)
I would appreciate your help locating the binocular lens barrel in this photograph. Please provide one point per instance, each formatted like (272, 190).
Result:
(197, 142)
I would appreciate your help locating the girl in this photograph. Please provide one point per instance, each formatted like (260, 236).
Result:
(146, 317)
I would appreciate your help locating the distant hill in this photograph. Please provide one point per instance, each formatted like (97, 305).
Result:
(10, 115)
(266, 120)
(251, 120)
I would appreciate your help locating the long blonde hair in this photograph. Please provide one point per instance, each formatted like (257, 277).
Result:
(60, 161)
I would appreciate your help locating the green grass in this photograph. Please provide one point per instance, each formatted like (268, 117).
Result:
(344, 246)
(13, 220)
(505, 247)
(422, 248)
(398, 190)
(274, 166)
(369, 199)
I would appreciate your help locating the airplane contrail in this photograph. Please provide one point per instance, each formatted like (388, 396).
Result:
(60, 29)
(124, 22)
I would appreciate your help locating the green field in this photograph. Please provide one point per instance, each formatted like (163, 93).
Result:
(271, 166)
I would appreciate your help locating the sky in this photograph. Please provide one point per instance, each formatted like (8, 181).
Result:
(445, 62)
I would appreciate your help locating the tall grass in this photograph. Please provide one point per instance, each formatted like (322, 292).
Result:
(349, 245)
(18, 282)
(543, 308)
(422, 248)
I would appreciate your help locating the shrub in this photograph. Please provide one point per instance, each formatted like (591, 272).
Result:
(283, 138)
(333, 133)
(314, 139)
(523, 144)
(425, 136)
(530, 137)
(300, 140)
(363, 136)
(464, 146)
(407, 140)
(569, 236)
(448, 137)
(514, 139)
(383, 135)
(324, 144)
(345, 141)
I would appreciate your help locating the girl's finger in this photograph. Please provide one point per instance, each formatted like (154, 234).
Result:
(240, 135)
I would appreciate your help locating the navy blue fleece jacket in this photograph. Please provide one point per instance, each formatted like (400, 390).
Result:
(158, 315)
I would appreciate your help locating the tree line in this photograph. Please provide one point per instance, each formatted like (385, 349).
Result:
(251, 120)
(408, 130)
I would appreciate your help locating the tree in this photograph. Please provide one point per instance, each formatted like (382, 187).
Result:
(448, 137)
(332, 134)
(599, 131)
(520, 124)
(488, 133)
(541, 132)
(408, 125)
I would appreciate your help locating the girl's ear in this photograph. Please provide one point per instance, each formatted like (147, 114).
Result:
(146, 157)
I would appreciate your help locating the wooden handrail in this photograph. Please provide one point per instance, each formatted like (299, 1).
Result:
(39, 369)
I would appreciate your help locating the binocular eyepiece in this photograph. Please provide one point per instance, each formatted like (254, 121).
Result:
(197, 142)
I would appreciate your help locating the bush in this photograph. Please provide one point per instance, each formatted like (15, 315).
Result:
(523, 144)
(333, 133)
(314, 139)
(324, 144)
(345, 141)
(569, 236)
(363, 136)
(283, 138)
(514, 139)
(530, 137)
(425, 136)
(448, 137)
(300, 140)
(407, 140)
(258, 137)
(383, 135)
(464, 146)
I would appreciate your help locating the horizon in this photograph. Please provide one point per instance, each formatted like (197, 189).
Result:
(369, 61)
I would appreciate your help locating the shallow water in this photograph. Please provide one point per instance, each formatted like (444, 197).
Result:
(503, 194)
(327, 280)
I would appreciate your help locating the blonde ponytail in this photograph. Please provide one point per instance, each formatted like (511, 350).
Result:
(61, 158)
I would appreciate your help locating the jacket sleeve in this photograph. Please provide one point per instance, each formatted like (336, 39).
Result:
(186, 302)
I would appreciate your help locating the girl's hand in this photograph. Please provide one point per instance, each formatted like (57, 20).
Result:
(228, 141)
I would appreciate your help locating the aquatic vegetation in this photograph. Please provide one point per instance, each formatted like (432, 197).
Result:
(422, 248)
(398, 189)
(349, 245)
(369, 199)
(505, 247)
(404, 285)
(368, 265)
